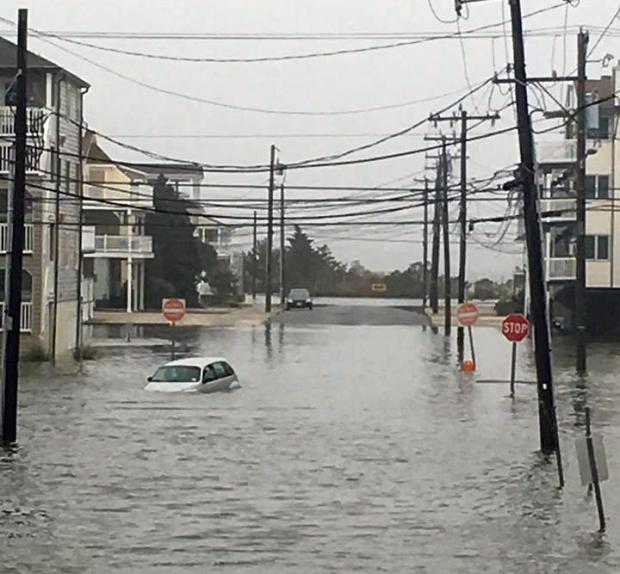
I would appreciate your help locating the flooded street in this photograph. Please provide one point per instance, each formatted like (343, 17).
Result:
(349, 448)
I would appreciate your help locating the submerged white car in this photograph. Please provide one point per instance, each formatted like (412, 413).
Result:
(201, 374)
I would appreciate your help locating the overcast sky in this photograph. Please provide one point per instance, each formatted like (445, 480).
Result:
(115, 106)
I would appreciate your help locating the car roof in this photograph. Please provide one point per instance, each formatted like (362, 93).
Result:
(201, 362)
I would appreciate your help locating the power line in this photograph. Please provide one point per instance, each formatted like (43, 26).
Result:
(263, 59)
(224, 104)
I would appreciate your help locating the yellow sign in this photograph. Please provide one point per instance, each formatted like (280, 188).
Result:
(379, 287)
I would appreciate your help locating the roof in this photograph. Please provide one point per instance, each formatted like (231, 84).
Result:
(8, 57)
(169, 167)
(201, 362)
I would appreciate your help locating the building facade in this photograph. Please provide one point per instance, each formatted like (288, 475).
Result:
(557, 162)
(51, 312)
(115, 245)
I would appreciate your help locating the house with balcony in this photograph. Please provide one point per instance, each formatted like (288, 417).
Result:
(556, 167)
(115, 246)
(187, 180)
(51, 312)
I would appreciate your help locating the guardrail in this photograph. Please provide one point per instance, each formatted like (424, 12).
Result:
(561, 268)
(5, 238)
(137, 244)
(26, 316)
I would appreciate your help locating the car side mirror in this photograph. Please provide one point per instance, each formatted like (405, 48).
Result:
(149, 379)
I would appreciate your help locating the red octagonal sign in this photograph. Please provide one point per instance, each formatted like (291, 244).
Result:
(173, 309)
(515, 327)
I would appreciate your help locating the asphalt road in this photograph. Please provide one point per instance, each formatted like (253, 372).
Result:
(352, 315)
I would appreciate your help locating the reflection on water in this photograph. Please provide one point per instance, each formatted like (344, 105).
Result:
(348, 448)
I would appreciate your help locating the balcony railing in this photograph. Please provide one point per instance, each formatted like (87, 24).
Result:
(564, 209)
(26, 316)
(7, 158)
(5, 238)
(35, 118)
(561, 268)
(124, 245)
(559, 152)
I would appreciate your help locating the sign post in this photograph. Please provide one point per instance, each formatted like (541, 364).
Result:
(173, 310)
(515, 327)
(593, 466)
(467, 315)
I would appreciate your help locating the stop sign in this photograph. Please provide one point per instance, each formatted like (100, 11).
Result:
(173, 309)
(515, 327)
(467, 314)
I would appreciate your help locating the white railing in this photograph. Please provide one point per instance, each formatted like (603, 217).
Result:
(566, 208)
(137, 244)
(7, 156)
(26, 316)
(561, 268)
(556, 152)
(5, 238)
(88, 299)
(88, 239)
(35, 118)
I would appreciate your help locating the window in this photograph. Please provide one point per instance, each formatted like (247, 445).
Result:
(597, 187)
(228, 369)
(67, 177)
(176, 374)
(220, 371)
(597, 247)
(208, 374)
(26, 285)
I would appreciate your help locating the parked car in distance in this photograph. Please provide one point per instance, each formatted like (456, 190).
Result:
(299, 299)
(199, 374)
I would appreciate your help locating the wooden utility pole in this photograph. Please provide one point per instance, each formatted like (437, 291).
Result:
(542, 350)
(13, 280)
(282, 238)
(434, 287)
(580, 283)
(464, 118)
(254, 258)
(425, 247)
(269, 264)
(446, 240)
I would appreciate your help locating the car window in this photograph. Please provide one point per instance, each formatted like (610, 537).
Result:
(208, 374)
(176, 374)
(228, 369)
(219, 369)
(299, 294)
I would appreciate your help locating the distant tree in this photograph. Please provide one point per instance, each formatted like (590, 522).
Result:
(486, 289)
(261, 265)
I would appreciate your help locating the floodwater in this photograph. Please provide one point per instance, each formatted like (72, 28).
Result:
(349, 448)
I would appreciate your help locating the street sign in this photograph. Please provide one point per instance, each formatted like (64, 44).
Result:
(173, 309)
(515, 327)
(379, 287)
(467, 314)
(585, 469)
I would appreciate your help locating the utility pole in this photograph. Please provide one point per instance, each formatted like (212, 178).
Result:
(464, 118)
(580, 283)
(254, 259)
(434, 287)
(425, 247)
(269, 265)
(460, 333)
(282, 237)
(446, 240)
(13, 281)
(542, 350)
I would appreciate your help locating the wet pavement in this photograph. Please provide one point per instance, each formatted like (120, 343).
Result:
(353, 315)
(349, 448)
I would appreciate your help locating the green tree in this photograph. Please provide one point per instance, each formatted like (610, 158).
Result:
(261, 264)
(486, 289)
(177, 262)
